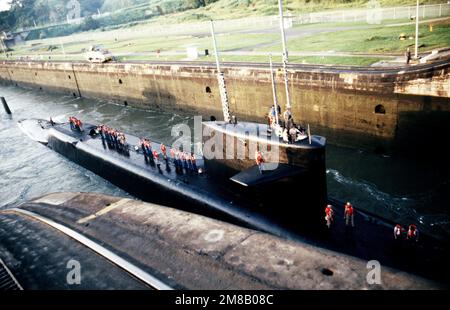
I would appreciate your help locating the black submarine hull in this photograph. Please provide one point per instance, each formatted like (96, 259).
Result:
(190, 191)
(370, 239)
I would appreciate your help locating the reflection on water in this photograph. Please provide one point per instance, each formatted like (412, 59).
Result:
(403, 189)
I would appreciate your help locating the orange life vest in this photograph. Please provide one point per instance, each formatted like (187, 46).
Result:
(258, 157)
(412, 231)
(348, 210)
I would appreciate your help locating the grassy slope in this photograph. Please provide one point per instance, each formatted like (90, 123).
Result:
(374, 40)
(227, 9)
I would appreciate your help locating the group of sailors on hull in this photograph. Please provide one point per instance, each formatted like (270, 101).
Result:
(283, 125)
(114, 138)
(117, 140)
(75, 123)
(179, 158)
(412, 233)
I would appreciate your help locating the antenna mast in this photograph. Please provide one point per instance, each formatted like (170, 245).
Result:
(285, 55)
(274, 90)
(221, 81)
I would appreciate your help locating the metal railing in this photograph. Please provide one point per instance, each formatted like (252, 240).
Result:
(373, 15)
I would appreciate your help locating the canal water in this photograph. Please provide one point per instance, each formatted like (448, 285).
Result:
(402, 188)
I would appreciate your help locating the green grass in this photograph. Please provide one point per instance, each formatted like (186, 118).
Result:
(373, 40)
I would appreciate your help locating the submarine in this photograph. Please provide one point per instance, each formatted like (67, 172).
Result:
(174, 182)
(258, 207)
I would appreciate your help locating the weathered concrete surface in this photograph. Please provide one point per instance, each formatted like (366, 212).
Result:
(194, 252)
(39, 256)
(337, 98)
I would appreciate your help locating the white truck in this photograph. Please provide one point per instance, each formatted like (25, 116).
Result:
(98, 54)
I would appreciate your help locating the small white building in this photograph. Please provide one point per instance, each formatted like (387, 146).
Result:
(192, 52)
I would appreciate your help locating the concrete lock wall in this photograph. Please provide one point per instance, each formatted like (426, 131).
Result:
(379, 103)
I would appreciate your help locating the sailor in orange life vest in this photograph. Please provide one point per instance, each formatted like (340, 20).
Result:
(413, 233)
(155, 156)
(349, 214)
(75, 124)
(398, 231)
(163, 151)
(259, 160)
(329, 215)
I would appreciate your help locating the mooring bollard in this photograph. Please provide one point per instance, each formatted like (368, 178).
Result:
(5, 105)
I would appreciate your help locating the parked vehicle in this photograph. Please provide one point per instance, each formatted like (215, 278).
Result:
(98, 54)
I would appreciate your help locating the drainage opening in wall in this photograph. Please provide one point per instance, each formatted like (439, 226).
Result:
(327, 272)
(379, 109)
(35, 73)
(40, 88)
(120, 81)
(74, 94)
(69, 77)
(125, 103)
(208, 89)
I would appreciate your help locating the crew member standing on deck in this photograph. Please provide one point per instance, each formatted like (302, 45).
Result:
(349, 214)
(288, 121)
(155, 157)
(193, 162)
(413, 233)
(163, 150)
(329, 215)
(259, 160)
(398, 231)
(408, 56)
(78, 125)
(71, 122)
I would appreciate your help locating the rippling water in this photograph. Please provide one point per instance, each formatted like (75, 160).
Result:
(402, 189)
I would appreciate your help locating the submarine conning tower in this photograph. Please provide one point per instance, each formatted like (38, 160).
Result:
(292, 177)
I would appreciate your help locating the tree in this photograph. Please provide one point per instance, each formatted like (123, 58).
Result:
(199, 3)
(89, 23)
